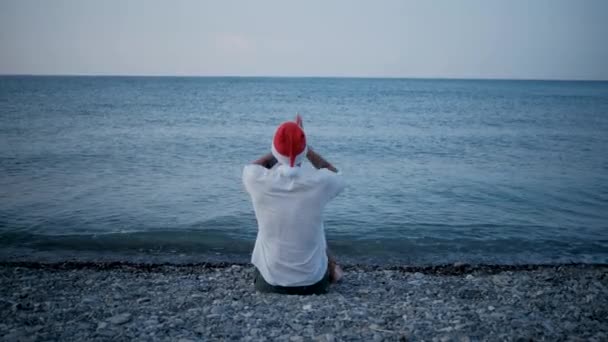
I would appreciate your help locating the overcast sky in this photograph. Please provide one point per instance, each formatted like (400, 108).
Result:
(538, 39)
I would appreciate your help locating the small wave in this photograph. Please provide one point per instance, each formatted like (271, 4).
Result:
(408, 250)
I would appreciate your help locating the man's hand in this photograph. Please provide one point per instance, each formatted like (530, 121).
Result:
(299, 120)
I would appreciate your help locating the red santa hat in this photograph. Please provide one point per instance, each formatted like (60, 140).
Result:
(289, 147)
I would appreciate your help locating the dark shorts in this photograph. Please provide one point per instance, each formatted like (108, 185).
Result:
(320, 287)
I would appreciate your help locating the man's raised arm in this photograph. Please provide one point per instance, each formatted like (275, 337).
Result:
(315, 159)
(267, 161)
(319, 162)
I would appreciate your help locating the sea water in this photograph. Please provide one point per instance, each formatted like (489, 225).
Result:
(436, 170)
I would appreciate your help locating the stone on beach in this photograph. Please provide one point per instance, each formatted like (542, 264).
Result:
(120, 319)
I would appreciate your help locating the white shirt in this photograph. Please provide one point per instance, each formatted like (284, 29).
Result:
(290, 249)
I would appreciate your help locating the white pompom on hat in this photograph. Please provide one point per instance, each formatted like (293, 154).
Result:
(289, 147)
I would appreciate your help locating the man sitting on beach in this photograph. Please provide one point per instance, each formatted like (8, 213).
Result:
(290, 254)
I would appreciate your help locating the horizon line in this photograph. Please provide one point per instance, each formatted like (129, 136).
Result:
(312, 76)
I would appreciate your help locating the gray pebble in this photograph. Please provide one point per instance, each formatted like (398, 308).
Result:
(325, 338)
(143, 300)
(217, 310)
(120, 318)
(89, 300)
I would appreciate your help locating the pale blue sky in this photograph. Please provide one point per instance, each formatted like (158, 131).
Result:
(539, 39)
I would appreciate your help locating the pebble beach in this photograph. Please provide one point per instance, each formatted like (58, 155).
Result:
(114, 301)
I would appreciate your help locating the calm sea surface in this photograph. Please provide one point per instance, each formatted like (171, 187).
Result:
(437, 170)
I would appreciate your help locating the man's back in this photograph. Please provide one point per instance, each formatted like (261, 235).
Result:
(290, 249)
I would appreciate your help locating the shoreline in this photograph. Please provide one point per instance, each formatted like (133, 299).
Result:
(455, 269)
(389, 261)
(212, 301)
